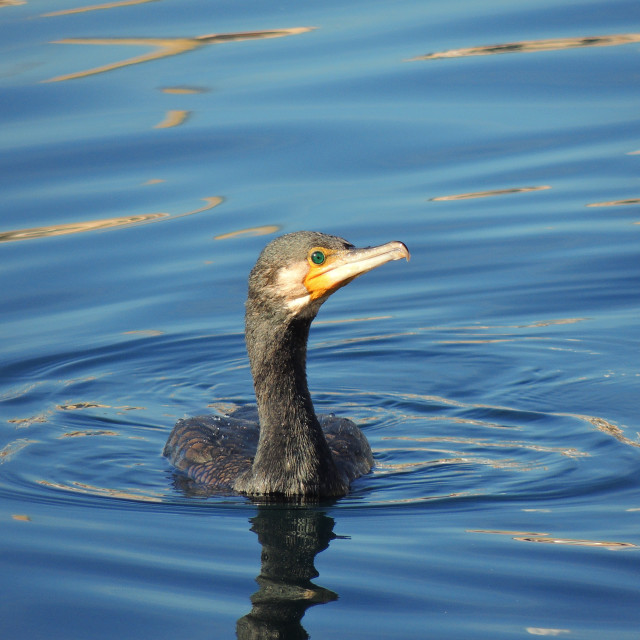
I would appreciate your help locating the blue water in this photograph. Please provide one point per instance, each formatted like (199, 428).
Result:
(496, 375)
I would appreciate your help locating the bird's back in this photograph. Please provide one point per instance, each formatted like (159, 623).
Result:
(213, 451)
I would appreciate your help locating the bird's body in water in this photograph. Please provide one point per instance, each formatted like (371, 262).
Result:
(283, 448)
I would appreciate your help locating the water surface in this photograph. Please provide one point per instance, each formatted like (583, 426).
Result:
(149, 150)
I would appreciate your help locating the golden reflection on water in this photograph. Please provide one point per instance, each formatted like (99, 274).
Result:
(19, 516)
(605, 427)
(252, 231)
(165, 47)
(24, 423)
(420, 499)
(570, 452)
(95, 7)
(615, 203)
(349, 320)
(77, 227)
(81, 406)
(152, 333)
(490, 340)
(543, 631)
(76, 406)
(550, 323)
(525, 536)
(10, 450)
(531, 325)
(95, 225)
(488, 194)
(183, 90)
(88, 432)
(525, 46)
(173, 119)
(611, 546)
(80, 487)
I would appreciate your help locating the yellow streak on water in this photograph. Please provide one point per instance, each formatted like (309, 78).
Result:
(79, 487)
(570, 452)
(526, 46)
(182, 90)
(77, 227)
(478, 327)
(10, 450)
(95, 7)
(604, 426)
(27, 422)
(347, 320)
(87, 432)
(253, 231)
(173, 119)
(611, 546)
(80, 406)
(615, 203)
(95, 225)
(76, 406)
(144, 332)
(488, 194)
(524, 536)
(490, 340)
(164, 47)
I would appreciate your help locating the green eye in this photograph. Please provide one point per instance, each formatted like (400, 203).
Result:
(317, 257)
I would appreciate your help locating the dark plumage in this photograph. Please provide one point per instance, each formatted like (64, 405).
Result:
(292, 452)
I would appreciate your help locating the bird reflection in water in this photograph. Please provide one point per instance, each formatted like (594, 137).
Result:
(291, 537)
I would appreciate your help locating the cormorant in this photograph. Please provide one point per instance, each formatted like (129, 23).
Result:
(284, 450)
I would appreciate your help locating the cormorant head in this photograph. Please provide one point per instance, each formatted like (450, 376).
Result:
(297, 272)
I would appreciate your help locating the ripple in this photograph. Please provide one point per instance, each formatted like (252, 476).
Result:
(86, 442)
(427, 449)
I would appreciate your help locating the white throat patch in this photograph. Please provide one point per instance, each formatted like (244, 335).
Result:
(290, 286)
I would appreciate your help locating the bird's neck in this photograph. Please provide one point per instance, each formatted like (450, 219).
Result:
(293, 455)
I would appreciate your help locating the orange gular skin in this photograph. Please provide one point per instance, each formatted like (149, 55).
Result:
(342, 266)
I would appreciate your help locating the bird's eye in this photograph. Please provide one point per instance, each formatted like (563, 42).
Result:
(317, 257)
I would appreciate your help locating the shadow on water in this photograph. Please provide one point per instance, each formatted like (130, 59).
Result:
(290, 539)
